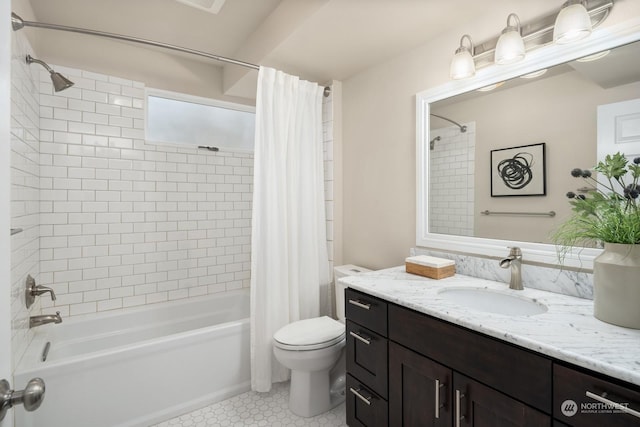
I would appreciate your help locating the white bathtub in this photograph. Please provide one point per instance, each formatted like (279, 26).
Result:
(139, 366)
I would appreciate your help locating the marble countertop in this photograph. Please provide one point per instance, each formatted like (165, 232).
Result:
(567, 331)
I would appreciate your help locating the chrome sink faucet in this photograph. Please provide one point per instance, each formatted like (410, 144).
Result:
(44, 319)
(514, 260)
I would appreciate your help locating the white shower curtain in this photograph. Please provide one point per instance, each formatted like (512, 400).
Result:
(289, 261)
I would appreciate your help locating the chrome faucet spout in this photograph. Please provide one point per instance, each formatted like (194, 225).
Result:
(514, 261)
(44, 319)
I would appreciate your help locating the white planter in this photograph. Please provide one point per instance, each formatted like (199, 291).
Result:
(616, 280)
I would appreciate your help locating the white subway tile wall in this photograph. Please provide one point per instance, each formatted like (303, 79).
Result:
(126, 223)
(24, 189)
(452, 185)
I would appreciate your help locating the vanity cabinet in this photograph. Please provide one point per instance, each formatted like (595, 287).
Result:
(464, 378)
(406, 368)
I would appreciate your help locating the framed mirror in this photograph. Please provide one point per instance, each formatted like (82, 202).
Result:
(480, 139)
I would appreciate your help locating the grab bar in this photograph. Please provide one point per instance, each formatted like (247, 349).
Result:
(550, 213)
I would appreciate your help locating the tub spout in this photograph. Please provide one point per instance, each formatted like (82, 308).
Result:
(44, 319)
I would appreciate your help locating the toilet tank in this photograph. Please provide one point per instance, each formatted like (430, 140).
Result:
(343, 271)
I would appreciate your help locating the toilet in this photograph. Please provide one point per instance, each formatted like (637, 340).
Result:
(314, 351)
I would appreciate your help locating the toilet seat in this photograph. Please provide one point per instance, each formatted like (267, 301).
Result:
(310, 334)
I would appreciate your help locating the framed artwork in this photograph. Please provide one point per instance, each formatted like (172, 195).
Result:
(518, 171)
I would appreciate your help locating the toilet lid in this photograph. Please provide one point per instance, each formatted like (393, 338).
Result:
(309, 334)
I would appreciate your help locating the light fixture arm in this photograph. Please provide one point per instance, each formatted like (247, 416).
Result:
(512, 27)
(462, 48)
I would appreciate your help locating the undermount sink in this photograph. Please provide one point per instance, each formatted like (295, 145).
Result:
(492, 301)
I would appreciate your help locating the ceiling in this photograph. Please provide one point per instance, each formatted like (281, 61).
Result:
(318, 40)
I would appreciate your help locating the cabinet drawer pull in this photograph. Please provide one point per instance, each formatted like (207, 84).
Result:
(359, 337)
(360, 304)
(437, 403)
(459, 416)
(615, 405)
(356, 391)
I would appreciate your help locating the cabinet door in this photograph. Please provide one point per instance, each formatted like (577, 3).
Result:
(480, 406)
(419, 390)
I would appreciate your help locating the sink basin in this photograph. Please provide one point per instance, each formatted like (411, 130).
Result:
(492, 301)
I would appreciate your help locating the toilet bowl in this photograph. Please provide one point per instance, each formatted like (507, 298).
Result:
(314, 351)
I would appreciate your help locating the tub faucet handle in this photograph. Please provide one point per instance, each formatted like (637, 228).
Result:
(32, 291)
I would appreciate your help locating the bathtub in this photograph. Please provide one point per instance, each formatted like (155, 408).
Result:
(139, 366)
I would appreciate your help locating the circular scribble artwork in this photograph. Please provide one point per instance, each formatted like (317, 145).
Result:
(518, 171)
(515, 172)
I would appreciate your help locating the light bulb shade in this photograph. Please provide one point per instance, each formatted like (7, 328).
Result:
(462, 65)
(510, 46)
(572, 24)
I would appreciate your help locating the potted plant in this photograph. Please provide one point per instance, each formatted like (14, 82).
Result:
(610, 215)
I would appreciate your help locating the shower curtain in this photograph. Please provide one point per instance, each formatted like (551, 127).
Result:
(289, 261)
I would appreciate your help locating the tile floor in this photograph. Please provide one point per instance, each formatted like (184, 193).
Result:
(256, 409)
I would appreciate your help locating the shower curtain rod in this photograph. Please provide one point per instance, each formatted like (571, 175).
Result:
(18, 23)
(463, 128)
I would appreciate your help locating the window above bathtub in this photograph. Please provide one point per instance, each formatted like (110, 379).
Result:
(191, 120)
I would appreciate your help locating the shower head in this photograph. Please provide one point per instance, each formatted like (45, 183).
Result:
(59, 81)
(432, 143)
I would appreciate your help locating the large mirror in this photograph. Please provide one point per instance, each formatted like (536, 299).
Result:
(495, 154)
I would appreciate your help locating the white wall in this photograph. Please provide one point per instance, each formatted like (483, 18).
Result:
(379, 135)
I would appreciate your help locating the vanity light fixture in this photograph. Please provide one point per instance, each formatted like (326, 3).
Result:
(462, 64)
(490, 87)
(594, 57)
(573, 23)
(510, 47)
(534, 74)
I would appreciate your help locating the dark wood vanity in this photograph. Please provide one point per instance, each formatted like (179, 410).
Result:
(406, 368)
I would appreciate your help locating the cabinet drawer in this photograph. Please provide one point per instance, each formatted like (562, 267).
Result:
(572, 385)
(364, 407)
(367, 357)
(516, 372)
(367, 311)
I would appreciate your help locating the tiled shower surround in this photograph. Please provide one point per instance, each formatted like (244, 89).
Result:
(25, 193)
(125, 222)
(451, 192)
(111, 221)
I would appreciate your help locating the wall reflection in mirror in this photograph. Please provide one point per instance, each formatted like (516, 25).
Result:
(580, 110)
